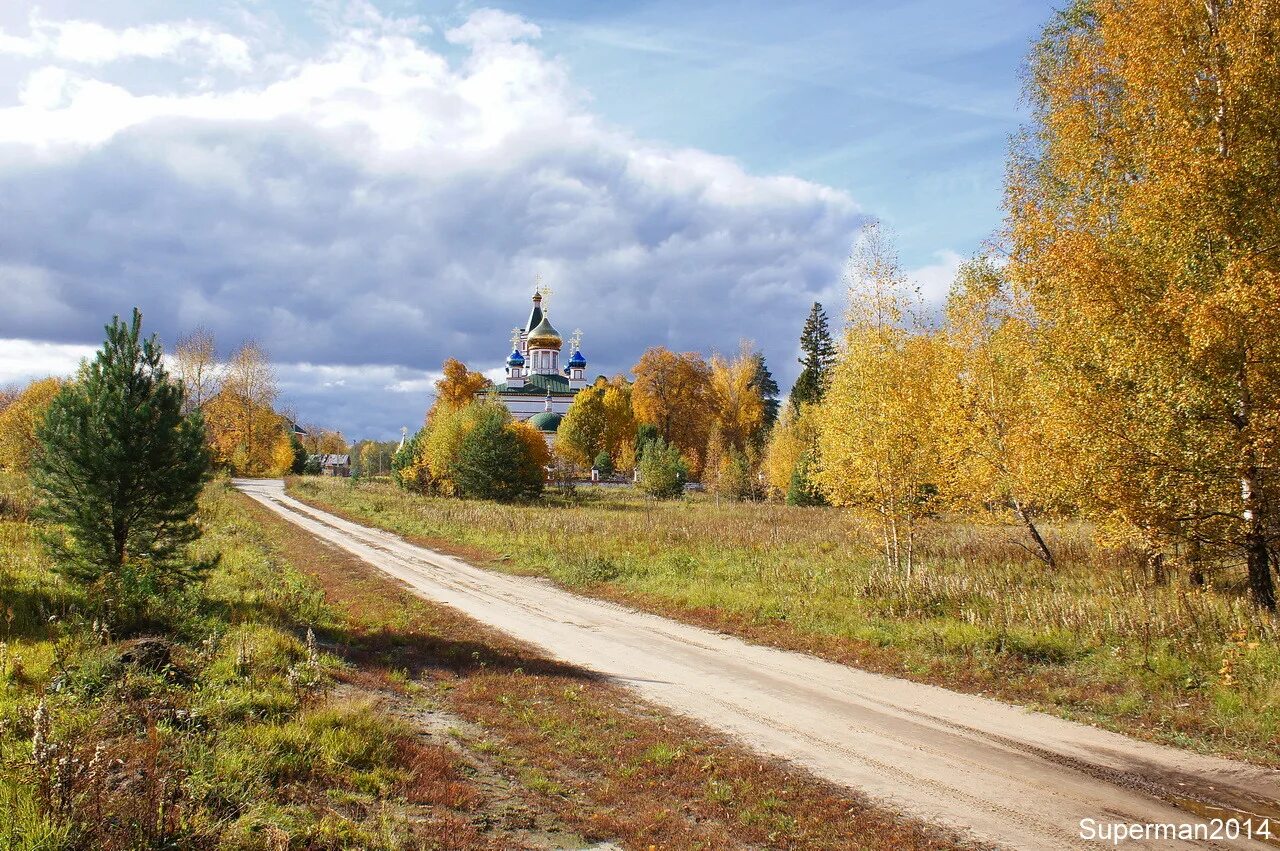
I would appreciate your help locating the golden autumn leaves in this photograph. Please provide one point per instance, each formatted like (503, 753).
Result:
(1123, 362)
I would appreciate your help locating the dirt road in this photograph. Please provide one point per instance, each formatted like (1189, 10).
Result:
(1017, 778)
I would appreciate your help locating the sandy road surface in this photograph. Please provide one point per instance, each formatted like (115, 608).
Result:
(1010, 776)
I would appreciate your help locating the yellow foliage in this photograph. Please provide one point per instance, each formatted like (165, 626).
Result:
(737, 406)
(282, 454)
(999, 427)
(581, 435)
(619, 423)
(673, 392)
(794, 435)
(458, 387)
(447, 428)
(876, 423)
(1143, 225)
(20, 419)
(534, 443)
(243, 436)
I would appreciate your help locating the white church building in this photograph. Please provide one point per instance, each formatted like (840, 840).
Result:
(538, 388)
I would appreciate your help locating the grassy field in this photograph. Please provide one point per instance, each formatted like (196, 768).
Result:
(399, 725)
(1092, 640)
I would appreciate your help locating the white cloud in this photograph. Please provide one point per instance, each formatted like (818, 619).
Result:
(22, 361)
(91, 43)
(935, 279)
(372, 208)
(487, 26)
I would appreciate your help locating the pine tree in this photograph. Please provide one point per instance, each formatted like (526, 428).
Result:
(120, 469)
(819, 353)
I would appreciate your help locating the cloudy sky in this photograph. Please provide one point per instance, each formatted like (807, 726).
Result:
(368, 188)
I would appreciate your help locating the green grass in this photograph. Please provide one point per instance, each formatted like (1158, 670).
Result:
(1093, 640)
(238, 743)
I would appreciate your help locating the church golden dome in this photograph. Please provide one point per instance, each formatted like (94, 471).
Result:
(544, 336)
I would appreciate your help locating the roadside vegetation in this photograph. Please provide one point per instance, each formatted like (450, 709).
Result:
(179, 669)
(222, 725)
(1092, 640)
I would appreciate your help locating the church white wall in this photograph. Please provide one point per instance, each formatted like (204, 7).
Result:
(522, 407)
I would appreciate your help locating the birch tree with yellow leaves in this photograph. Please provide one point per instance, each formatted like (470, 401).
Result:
(1145, 228)
(738, 409)
(999, 445)
(877, 438)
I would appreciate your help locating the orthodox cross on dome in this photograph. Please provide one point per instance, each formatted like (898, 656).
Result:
(543, 290)
(575, 340)
(516, 334)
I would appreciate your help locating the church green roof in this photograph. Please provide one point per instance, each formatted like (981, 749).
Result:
(546, 421)
(538, 385)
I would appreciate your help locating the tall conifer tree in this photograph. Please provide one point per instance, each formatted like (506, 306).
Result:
(818, 355)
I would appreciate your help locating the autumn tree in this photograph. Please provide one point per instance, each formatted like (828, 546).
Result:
(20, 420)
(672, 392)
(196, 363)
(583, 431)
(458, 386)
(817, 355)
(619, 423)
(737, 406)
(493, 462)
(324, 441)
(438, 445)
(537, 453)
(245, 433)
(1143, 224)
(1001, 442)
(792, 448)
(876, 424)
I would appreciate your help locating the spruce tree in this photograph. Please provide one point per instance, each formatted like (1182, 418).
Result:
(818, 355)
(120, 469)
(492, 463)
(768, 390)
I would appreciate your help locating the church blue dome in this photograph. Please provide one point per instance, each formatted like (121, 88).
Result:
(577, 360)
(516, 359)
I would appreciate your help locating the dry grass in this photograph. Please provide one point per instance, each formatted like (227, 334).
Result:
(1094, 640)
(589, 753)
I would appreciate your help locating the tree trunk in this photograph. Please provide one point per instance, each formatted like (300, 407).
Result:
(1155, 561)
(1259, 562)
(1257, 556)
(1195, 571)
(1044, 554)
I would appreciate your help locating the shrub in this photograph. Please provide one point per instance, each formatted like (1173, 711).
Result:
(494, 463)
(604, 463)
(733, 479)
(409, 468)
(802, 490)
(662, 470)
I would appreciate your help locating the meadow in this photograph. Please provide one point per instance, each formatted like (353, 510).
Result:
(230, 731)
(1094, 640)
(297, 699)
